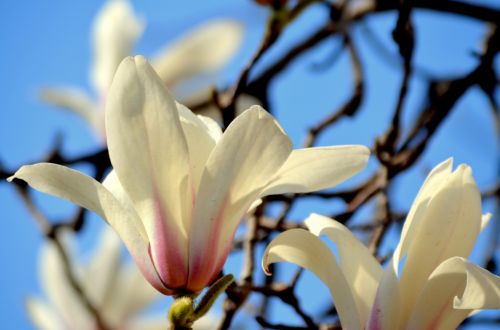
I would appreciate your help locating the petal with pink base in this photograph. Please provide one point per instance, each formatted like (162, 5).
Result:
(167, 251)
(149, 151)
(249, 153)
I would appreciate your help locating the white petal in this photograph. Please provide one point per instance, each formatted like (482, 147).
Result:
(63, 182)
(386, 310)
(485, 220)
(78, 188)
(386, 306)
(112, 183)
(452, 292)
(83, 190)
(150, 156)
(318, 168)
(361, 270)
(42, 315)
(448, 226)
(482, 290)
(201, 135)
(249, 153)
(76, 101)
(203, 50)
(254, 205)
(304, 249)
(431, 184)
(146, 143)
(115, 31)
(212, 126)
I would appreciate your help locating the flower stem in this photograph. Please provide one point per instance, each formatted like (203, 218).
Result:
(183, 312)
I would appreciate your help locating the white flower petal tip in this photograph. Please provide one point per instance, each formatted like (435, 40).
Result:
(62, 182)
(294, 246)
(226, 36)
(42, 314)
(485, 220)
(203, 50)
(482, 289)
(259, 113)
(360, 269)
(115, 31)
(78, 103)
(83, 190)
(71, 99)
(448, 163)
(454, 290)
(318, 168)
(300, 247)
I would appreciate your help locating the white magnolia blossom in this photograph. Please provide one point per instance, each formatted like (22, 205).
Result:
(179, 186)
(203, 50)
(116, 289)
(428, 283)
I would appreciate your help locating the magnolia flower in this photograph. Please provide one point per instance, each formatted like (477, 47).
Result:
(179, 187)
(204, 50)
(117, 290)
(428, 283)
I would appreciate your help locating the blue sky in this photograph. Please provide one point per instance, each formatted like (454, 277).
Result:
(47, 43)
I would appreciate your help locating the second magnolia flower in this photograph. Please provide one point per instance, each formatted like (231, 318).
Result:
(179, 187)
(427, 284)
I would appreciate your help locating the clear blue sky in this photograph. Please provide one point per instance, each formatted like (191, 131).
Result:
(47, 43)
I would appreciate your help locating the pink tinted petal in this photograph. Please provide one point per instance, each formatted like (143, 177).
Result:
(148, 270)
(385, 311)
(165, 251)
(246, 157)
(149, 153)
(199, 276)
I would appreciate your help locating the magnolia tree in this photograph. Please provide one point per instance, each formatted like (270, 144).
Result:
(189, 174)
